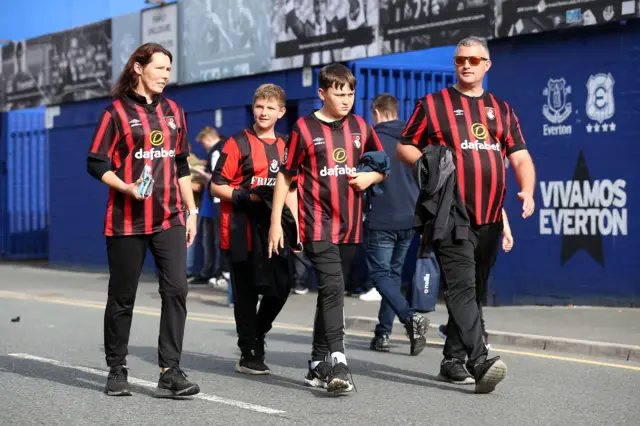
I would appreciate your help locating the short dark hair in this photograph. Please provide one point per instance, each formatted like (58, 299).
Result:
(336, 76)
(386, 104)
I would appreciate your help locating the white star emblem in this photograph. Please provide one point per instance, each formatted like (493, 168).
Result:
(605, 127)
(596, 128)
(589, 128)
(612, 127)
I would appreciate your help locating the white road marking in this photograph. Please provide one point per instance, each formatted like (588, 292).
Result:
(151, 385)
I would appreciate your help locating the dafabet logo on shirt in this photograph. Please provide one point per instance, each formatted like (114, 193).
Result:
(156, 138)
(339, 155)
(480, 133)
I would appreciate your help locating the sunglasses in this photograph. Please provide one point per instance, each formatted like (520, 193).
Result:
(473, 60)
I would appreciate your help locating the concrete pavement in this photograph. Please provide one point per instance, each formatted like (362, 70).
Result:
(607, 332)
(52, 371)
(594, 331)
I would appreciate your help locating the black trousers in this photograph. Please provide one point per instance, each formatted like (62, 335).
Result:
(253, 322)
(464, 329)
(333, 264)
(126, 256)
(485, 254)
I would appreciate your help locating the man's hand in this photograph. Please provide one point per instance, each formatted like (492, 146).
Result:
(131, 189)
(276, 239)
(192, 226)
(507, 241)
(528, 205)
(361, 181)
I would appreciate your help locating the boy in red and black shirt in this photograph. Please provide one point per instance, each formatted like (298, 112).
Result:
(249, 161)
(323, 151)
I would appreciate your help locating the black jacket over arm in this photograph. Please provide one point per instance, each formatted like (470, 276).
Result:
(439, 209)
(271, 276)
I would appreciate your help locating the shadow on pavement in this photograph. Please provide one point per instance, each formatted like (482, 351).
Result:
(62, 375)
(213, 364)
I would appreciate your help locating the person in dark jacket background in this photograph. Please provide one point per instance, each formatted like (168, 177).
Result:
(390, 233)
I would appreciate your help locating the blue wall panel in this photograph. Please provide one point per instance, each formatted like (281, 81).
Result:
(3, 182)
(25, 185)
(578, 109)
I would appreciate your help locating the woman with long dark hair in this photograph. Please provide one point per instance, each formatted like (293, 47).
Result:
(139, 150)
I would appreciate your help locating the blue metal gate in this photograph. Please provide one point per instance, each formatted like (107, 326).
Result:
(406, 85)
(25, 177)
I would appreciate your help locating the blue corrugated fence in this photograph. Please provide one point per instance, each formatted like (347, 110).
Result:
(26, 195)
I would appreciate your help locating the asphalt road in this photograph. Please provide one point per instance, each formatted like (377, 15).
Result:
(52, 372)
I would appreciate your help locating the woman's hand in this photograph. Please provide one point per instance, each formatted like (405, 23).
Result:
(192, 226)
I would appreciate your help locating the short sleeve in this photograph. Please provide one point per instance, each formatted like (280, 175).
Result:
(294, 152)
(515, 139)
(213, 159)
(105, 137)
(228, 165)
(415, 132)
(183, 141)
(373, 142)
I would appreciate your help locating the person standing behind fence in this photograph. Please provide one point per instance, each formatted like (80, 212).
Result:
(390, 233)
(143, 129)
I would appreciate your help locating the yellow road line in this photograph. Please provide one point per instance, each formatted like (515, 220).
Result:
(218, 319)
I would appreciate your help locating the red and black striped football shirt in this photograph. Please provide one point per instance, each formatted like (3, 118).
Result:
(321, 155)
(131, 134)
(246, 162)
(479, 132)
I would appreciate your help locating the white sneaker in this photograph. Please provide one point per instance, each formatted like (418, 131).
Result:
(220, 283)
(371, 296)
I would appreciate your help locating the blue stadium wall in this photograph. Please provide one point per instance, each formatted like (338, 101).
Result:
(576, 249)
(576, 95)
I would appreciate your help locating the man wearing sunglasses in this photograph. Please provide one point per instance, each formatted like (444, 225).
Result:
(479, 130)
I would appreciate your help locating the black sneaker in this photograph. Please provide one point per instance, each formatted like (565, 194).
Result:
(488, 374)
(339, 379)
(318, 377)
(249, 363)
(416, 329)
(300, 289)
(117, 384)
(380, 343)
(453, 371)
(173, 382)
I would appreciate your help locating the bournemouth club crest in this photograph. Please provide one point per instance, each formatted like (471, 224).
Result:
(171, 122)
(491, 113)
(356, 140)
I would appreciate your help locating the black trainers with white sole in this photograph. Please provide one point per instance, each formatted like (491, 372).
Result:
(488, 374)
(117, 382)
(318, 377)
(339, 381)
(251, 364)
(453, 371)
(174, 383)
(416, 328)
(380, 342)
